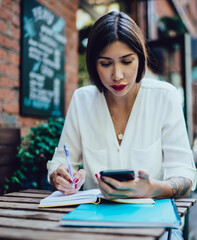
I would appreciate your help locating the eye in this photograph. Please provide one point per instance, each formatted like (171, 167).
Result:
(103, 64)
(127, 62)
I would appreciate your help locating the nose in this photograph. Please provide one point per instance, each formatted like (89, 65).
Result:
(117, 74)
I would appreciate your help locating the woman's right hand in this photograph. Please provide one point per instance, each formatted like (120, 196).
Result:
(61, 180)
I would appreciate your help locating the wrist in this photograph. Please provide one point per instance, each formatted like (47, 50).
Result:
(52, 182)
(160, 189)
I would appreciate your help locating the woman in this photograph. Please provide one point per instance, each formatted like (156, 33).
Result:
(124, 122)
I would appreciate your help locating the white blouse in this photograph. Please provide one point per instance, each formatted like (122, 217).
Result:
(155, 138)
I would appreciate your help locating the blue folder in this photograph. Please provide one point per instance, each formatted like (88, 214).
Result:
(162, 213)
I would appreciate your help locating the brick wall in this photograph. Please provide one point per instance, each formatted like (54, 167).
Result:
(10, 58)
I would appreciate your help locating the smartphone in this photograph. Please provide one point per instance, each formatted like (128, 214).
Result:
(120, 175)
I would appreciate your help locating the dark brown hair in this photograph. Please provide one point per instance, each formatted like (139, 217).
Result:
(114, 26)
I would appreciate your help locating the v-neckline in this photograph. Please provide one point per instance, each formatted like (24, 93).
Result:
(128, 122)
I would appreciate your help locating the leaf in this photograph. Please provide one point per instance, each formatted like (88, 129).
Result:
(34, 184)
(29, 155)
(15, 180)
(6, 186)
(43, 146)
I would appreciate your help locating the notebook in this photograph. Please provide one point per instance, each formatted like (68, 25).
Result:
(89, 196)
(161, 214)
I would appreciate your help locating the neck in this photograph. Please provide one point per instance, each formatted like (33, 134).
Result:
(120, 109)
(125, 101)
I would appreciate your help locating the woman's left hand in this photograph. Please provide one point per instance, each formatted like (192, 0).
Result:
(140, 187)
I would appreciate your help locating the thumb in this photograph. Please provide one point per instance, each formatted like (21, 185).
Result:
(143, 174)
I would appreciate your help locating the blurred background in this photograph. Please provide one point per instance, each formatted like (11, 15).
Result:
(42, 62)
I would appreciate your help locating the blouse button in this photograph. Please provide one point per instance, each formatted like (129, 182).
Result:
(118, 150)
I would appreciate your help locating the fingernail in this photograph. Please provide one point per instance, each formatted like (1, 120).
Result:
(96, 175)
(102, 178)
(75, 186)
(70, 181)
(75, 180)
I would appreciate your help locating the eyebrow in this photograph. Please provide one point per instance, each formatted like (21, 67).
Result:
(108, 58)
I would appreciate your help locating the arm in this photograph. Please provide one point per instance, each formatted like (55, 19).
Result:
(58, 174)
(180, 186)
(179, 166)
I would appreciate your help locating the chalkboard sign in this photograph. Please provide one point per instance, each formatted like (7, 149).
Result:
(42, 61)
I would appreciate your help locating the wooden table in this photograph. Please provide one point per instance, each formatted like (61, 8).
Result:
(20, 218)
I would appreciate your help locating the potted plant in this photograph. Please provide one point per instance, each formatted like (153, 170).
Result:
(33, 153)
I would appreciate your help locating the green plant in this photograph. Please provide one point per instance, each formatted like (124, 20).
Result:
(33, 153)
(166, 25)
(83, 73)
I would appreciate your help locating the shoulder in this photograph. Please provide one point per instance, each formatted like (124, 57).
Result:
(86, 95)
(156, 85)
(89, 90)
(160, 92)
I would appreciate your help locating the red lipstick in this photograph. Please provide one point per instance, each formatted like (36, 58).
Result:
(119, 87)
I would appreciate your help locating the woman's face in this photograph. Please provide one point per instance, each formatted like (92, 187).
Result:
(117, 67)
